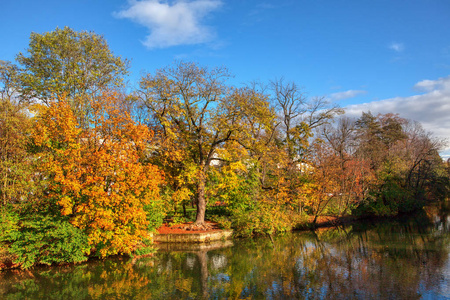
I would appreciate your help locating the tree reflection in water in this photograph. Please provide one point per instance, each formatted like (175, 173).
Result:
(399, 259)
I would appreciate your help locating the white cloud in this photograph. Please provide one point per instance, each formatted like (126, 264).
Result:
(397, 47)
(347, 94)
(172, 24)
(440, 84)
(431, 109)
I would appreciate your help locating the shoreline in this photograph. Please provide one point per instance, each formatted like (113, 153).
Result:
(323, 222)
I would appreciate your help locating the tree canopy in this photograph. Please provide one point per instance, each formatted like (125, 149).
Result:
(195, 113)
(70, 63)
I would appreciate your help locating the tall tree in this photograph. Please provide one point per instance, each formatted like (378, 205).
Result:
(285, 160)
(195, 113)
(70, 63)
(377, 135)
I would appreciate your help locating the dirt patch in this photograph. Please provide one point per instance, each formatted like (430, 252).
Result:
(188, 228)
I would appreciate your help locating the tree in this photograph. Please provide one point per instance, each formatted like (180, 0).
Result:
(194, 114)
(377, 135)
(285, 158)
(15, 162)
(405, 161)
(96, 175)
(299, 115)
(422, 163)
(9, 85)
(352, 175)
(71, 63)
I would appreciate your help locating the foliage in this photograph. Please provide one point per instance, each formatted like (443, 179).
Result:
(405, 161)
(39, 237)
(236, 187)
(67, 62)
(144, 248)
(224, 222)
(9, 222)
(15, 163)
(194, 114)
(9, 85)
(265, 218)
(144, 251)
(155, 212)
(95, 175)
(178, 218)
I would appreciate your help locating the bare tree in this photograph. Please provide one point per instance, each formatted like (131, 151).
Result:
(299, 115)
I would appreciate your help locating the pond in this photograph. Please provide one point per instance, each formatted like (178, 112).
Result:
(402, 258)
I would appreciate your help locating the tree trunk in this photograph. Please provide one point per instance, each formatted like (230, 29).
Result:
(201, 201)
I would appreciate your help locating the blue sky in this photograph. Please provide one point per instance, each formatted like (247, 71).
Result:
(382, 55)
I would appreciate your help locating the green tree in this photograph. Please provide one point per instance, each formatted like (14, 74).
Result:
(70, 63)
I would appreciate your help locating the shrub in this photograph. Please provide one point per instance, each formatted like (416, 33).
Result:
(43, 239)
(223, 221)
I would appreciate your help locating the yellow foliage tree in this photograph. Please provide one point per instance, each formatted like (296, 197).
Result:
(195, 113)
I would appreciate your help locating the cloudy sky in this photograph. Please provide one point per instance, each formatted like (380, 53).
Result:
(383, 56)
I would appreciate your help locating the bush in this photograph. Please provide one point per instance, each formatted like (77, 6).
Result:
(223, 221)
(264, 218)
(43, 239)
(9, 220)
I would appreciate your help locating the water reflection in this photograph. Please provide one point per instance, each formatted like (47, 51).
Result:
(400, 259)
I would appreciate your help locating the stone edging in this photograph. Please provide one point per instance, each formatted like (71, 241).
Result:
(200, 237)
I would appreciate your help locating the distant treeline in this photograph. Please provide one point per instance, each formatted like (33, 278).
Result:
(88, 165)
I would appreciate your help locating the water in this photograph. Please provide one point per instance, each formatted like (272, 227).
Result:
(405, 258)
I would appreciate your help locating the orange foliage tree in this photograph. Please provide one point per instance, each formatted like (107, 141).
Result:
(95, 175)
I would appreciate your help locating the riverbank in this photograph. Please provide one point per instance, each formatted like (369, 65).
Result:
(7, 260)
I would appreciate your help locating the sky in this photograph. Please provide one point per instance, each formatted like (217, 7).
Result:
(364, 55)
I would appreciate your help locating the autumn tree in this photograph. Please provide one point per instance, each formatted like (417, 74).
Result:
(78, 65)
(418, 156)
(376, 135)
(288, 155)
(96, 175)
(15, 162)
(194, 114)
(404, 159)
(9, 81)
(352, 175)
